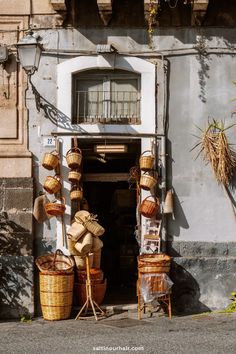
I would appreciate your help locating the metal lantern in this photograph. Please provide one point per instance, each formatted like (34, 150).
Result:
(29, 52)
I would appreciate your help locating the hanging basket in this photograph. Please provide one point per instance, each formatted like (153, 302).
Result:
(84, 244)
(56, 263)
(149, 207)
(146, 162)
(74, 176)
(74, 158)
(54, 208)
(52, 184)
(147, 182)
(76, 193)
(50, 160)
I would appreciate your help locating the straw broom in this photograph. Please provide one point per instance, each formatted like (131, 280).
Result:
(218, 153)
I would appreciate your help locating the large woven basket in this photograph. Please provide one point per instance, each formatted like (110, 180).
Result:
(55, 263)
(149, 207)
(74, 158)
(154, 263)
(146, 161)
(56, 295)
(50, 160)
(52, 184)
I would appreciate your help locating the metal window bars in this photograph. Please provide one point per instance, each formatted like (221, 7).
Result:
(107, 107)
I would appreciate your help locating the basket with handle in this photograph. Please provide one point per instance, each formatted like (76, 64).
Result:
(74, 158)
(55, 263)
(149, 206)
(50, 160)
(74, 176)
(90, 222)
(52, 184)
(54, 208)
(147, 182)
(76, 193)
(146, 162)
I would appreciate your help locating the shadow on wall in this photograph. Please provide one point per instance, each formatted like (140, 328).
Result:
(16, 272)
(185, 292)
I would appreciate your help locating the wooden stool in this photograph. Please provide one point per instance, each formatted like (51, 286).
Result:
(163, 300)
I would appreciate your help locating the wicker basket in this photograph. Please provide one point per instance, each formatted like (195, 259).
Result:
(97, 244)
(76, 193)
(96, 276)
(81, 216)
(74, 158)
(147, 182)
(55, 262)
(146, 162)
(80, 261)
(76, 231)
(97, 259)
(149, 208)
(54, 208)
(56, 295)
(154, 263)
(50, 160)
(98, 293)
(74, 176)
(52, 184)
(85, 243)
(90, 222)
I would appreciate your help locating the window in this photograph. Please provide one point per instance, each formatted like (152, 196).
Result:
(105, 96)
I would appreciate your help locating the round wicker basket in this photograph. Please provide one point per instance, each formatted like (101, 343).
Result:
(52, 184)
(74, 158)
(147, 182)
(149, 208)
(146, 162)
(50, 160)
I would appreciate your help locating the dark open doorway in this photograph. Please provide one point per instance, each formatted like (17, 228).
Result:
(113, 199)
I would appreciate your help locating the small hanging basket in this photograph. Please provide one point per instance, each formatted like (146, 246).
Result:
(52, 184)
(74, 158)
(147, 182)
(146, 162)
(76, 193)
(149, 207)
(54, 208)
(74, 176)
(50, 160)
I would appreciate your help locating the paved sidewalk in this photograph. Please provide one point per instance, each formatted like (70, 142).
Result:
(203, 334)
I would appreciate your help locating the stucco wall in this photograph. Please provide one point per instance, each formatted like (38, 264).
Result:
(201, 233)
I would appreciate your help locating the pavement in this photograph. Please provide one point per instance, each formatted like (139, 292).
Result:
(121, 332)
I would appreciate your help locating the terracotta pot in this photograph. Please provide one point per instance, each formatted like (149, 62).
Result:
(98, 292)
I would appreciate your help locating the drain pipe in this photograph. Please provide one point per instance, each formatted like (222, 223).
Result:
(163, 192)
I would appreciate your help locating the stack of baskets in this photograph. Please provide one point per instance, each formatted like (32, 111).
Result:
(74, 159)
(153, 270)
(56, 282)
(52, 184)
(98, 285)
(84, 239)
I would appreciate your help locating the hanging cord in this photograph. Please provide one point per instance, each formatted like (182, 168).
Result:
(58, 171)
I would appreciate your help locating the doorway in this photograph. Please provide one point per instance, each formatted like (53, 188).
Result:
(112, 197)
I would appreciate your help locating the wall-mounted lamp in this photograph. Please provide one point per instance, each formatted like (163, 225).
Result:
(29, 52)
(3, 54)
(111, 148)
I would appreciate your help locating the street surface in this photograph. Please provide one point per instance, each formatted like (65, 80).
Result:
(122, 333)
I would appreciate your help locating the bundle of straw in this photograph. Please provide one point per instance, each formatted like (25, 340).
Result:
(217, 151)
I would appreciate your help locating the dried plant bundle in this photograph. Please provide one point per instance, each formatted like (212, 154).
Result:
(217, 151)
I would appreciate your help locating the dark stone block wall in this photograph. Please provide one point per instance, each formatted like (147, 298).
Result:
(16, 247)
(204, 275)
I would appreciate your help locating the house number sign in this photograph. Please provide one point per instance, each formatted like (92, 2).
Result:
(49, 141)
